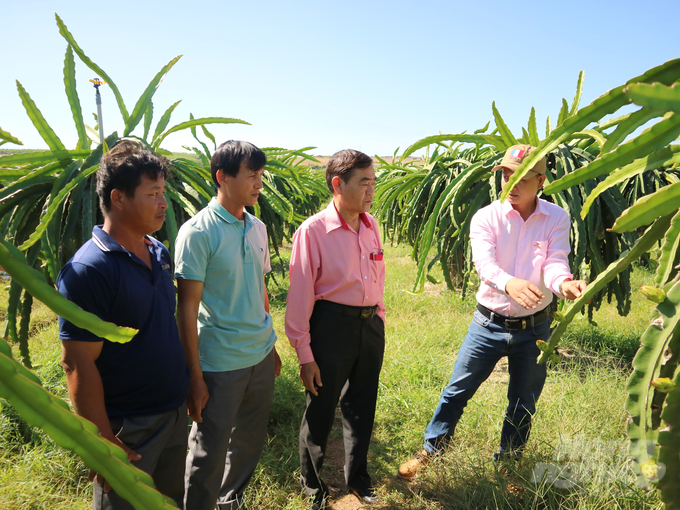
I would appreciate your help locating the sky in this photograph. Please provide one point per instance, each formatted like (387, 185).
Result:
(376, 76)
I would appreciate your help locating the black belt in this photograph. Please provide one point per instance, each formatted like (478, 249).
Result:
(363, 312)
(524, 322)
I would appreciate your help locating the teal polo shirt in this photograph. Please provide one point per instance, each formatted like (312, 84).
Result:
(230, 257)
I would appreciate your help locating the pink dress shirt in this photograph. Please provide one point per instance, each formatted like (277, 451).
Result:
(331, 261)
(504, 247)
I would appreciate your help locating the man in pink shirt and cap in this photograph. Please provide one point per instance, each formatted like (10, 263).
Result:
(335, 321)
(520, 249)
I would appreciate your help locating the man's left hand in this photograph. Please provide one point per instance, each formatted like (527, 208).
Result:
(573, 289)
(277, 364)
(525, 293)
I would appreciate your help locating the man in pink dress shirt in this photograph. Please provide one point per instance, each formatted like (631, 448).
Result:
(520, 249)
(335, 321)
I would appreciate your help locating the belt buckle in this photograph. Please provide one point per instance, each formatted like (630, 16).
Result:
(513, 324)
(367, 313)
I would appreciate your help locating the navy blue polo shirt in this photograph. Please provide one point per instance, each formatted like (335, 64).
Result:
(147, 375)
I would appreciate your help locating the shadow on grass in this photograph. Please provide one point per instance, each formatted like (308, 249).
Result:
(584, 362)
(461, 481)
(609, 340)
(622, 346)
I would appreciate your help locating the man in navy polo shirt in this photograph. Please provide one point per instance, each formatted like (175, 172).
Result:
(134, 392)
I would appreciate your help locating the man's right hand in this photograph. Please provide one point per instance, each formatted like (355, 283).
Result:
(132, 456)
(311, 377)
(197, 398)
(525, 293)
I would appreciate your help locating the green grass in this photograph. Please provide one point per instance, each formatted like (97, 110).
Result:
(580, 417)
(35, 473)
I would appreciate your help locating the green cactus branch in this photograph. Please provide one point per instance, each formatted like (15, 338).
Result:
(606, 104)
(659, 340)
(41, 409)
(648, 208)
(646, 242)
(655, 95)
(14, 262)
(669, 250)
(669, 448)
(8, 138)
(654, 138)
(668, 156)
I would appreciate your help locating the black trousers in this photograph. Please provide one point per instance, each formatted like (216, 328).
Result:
(349, 352)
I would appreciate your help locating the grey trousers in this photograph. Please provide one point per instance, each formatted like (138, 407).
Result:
(161, 440)
(224, 449)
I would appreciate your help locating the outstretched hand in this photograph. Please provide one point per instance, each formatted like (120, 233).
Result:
(572, 289)
(132, 456)
(525, 293)
(310, 375)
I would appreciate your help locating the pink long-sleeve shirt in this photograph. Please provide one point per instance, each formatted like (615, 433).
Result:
(504, 247)
(331, 261)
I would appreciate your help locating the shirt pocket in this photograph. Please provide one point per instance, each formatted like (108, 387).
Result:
(377, 263)
(539, 252)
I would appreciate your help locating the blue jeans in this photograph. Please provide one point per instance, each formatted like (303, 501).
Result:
(485, 344)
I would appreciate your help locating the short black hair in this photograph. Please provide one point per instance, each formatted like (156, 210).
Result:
(122, 168)
(230, 154)
(343, 163)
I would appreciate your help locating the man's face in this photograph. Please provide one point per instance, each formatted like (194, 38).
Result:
(146, 209)
(524, 192)
(244, 189)
(356, 195)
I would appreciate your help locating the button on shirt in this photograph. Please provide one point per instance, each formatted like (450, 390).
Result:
(504, 247)
(230, 256)
(333, 262)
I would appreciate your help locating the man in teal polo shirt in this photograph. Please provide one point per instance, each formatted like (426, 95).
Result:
(223, 316)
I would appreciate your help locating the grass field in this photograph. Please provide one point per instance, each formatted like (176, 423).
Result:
(580, 423)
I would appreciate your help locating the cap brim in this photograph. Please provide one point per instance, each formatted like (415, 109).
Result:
(528, 175)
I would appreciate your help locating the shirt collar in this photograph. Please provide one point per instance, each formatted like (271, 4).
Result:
(225, 215)
(106, 243)
(541, 207)
(335, 220)
(506, 207)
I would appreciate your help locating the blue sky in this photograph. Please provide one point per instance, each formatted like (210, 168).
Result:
(370, 75)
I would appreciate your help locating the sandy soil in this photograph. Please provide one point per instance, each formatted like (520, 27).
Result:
(333, 473)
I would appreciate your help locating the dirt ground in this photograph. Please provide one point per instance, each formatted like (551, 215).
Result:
(333, 473)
